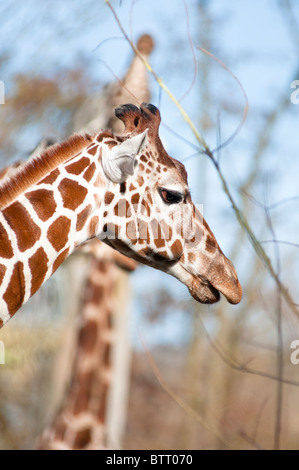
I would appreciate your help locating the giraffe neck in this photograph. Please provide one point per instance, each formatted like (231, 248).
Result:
(46, 222)
(80, 423)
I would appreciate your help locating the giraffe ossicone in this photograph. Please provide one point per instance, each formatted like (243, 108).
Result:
(125, 190)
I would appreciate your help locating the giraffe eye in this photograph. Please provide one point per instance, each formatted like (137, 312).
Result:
(171, 197)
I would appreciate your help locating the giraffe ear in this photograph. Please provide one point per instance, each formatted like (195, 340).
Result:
(118, 162)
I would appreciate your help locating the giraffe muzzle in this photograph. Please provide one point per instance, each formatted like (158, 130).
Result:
(206, 285)
(207, 293)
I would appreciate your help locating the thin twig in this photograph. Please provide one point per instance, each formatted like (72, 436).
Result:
(241, 368)
(250, 440)
(263, 405)
(281, 242)
(193, 55)
(178, 399)
(279, 349)
(159, 80)
(246, 106)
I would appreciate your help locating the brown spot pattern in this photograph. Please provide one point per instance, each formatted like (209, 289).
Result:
(104, 135)
(60, 259)
(131, 231)
(82, 438)
(2, 272)
(88, 336)
(211, 244)
(157, 234)
(38, 264)
(14, 295)
(6, 250)
(103, 406)
(26, 231)
(93, 150)
(108, 198)
(82, 217)
(145, 208)
(43, 203)
(58, 232)
(159, 242)
(94, 293)
(83, 388)
(122, 208)
(177, 249)
(89, 172)
(73, 194)
(51, 178)
(140, 180)
(78, 167)
(135, 198)
(143, 233)
(93, 226)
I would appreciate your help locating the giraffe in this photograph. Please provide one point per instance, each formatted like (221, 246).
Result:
(80, 423)
(133, 86)
(99, 257)
(126, 191)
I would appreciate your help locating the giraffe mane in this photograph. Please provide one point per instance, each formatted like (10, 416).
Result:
(34, 170)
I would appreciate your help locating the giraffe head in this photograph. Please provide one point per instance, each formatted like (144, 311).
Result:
(149, 215)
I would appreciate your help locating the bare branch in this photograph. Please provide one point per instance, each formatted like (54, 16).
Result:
(238, 367)
(193, 54)
(250, 440)
(178, 399)
(279, 349)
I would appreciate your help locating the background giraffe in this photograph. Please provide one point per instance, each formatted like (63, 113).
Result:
(107, 384)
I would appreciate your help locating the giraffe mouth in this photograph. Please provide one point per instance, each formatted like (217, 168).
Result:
(204, 292)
